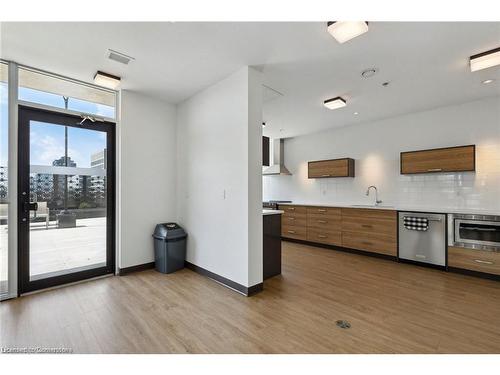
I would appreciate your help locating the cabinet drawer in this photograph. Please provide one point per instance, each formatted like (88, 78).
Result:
(451, 159)
(329, 237)
(474, 260)
(294, 220)
(324, 211)
(294, 210)
(324, 222)
(291, 231)
(370, 225)
(373, 213)
(370, 242)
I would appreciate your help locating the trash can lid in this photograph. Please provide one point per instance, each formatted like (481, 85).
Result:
(169, 231)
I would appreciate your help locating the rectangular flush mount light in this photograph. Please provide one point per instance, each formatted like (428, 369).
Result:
(107, 80)
(334, 103)
(343, 31)
(485, 60)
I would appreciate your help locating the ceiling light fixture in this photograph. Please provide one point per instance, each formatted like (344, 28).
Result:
(263, 124)
(107, 80)
(486, 81)
(356, 113)
(335, 103)
(343, 31)
(485, 60)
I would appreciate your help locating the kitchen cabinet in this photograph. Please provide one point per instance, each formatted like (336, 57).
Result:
(324, 225)
(331, 168)
(294, 221)
(265, 151)
(450, 159)
(474, 260)
(371, 230)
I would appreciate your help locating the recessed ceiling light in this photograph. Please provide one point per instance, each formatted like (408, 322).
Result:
(486, 81)
(107, 80)
(356, 113)
(343, 31)
(485, 60)
(334, 103)
(367, 73)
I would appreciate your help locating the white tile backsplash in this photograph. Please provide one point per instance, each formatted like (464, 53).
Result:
(377, 163)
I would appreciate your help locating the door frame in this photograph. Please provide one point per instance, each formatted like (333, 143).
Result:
(25, 114)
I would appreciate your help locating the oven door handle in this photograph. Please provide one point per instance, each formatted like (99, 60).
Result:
(481, 229)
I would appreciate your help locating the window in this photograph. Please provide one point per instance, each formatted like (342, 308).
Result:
(53, 91)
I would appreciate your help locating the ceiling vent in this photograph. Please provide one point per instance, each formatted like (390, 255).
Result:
(119, 57)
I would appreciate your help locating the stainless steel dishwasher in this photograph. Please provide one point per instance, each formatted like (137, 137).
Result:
(422, 237)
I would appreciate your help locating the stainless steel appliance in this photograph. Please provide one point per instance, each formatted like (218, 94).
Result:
(422, 237)
(273, 205)
(480, 232)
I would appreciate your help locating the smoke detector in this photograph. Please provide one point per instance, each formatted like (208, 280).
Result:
(119, 57)
(367, 73)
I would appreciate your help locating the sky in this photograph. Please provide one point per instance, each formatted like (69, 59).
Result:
(47, 141)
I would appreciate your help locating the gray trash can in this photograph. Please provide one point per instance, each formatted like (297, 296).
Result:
(170, 247)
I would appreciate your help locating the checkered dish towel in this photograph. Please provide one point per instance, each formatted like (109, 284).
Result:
(416, 223)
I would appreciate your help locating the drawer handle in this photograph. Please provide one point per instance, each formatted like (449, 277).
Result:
(322, 221)
(291, 231)
(321, 210)
(325, 175)
(483, 261)
(434, 169)
(366, 243)
(291, 208)
(291, 218)
(322, 236)
(367, 226)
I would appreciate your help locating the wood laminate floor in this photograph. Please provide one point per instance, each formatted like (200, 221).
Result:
(393, 308)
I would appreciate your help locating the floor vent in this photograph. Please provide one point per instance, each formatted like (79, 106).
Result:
(343, 324)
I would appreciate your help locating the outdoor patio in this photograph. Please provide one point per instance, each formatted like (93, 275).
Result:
(57, 250)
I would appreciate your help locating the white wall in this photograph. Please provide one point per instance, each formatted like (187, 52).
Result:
(376, 147)
(147, 172)
(219, 183)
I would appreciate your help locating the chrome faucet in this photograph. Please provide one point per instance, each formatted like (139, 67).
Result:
(377, 201)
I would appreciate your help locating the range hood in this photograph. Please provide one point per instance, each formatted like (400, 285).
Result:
(278, 167)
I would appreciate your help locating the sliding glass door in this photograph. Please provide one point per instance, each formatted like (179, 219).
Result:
(66, 198)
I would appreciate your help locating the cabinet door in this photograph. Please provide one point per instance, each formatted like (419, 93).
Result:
(331, 168)
(452, 159)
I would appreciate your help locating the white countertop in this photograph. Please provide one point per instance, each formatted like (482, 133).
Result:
(272, 212)
(448, 210)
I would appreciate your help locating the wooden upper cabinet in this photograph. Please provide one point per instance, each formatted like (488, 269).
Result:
(450, 159)
(265, 151)
(331, 168)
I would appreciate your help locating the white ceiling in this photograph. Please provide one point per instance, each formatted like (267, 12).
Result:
(425, 63)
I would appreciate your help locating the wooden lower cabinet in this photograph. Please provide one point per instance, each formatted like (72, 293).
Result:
(474, 260)
(370, 242)
(329, 237)
(295, 232)
(370, 230)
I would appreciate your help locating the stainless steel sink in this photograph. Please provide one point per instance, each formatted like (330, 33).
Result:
(371, 206)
